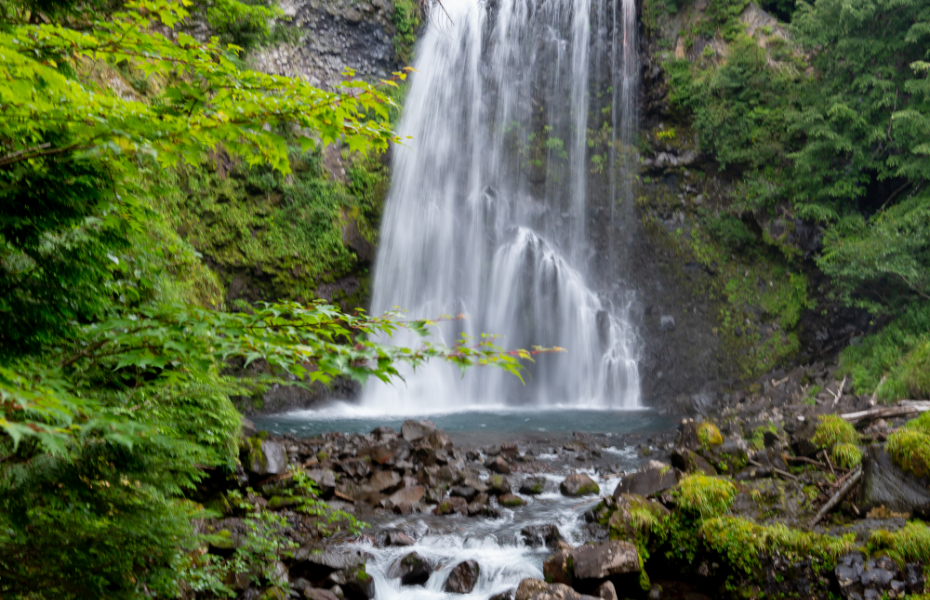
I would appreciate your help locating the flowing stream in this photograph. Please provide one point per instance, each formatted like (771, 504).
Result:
(489, 212)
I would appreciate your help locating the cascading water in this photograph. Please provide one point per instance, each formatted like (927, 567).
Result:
(488, 212)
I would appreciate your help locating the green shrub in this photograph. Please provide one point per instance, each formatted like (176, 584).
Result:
(910, 449)
(705, 496)
(709, 435)
(832, 430)
(846, 455)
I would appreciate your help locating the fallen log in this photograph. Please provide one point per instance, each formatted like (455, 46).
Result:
(853, 478)
(906, 408)
(774, 469)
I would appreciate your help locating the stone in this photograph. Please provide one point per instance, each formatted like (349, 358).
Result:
(498, 484)
(411, 569)
(414, 431)
(578, 484)
(557, 568)
(358, 585)
(463, 578)
(508, 595)
(399, 538)
(848, 571)
(409, 495)
(312, 565)
(384, 480)
(529, 587)
(312, 593)
(542, 535)
(688, 461)
(666, 323)
(605, 559)
(885, 484)
(266, 457)
(451, 505)
(914, 579)
(510, 500)
(653, 479)
(622, 522)
(533, 485)
(536, 589)
(463, 491)
(440, 440)
(607, 591)
(498, 465)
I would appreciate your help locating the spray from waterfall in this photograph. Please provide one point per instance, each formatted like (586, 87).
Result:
(488, 212)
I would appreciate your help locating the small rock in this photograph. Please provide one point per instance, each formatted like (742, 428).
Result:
(384, 480)
(508, 595)
(409, 495)
(463, 491)
(413, 431)
(451, 505)
(558, 568)
(312, 593)
(463, 578)
(266, 457)
(689, 462)
(666, 323)
(578, 484)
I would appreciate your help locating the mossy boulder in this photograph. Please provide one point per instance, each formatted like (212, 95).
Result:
(533, 485)
(578, 484)
(511, 500)
(633, 519)
(498, 485)
(688, 461)
(885, 483)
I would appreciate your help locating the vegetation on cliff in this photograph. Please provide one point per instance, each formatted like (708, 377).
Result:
(818, 122)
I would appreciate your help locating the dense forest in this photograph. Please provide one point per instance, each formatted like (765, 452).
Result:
(120, 346)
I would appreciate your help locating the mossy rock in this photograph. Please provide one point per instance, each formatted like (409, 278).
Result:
(704, 496)
(279, 502)
(709, 435)
(832, 430)
(273, 593)
(533, 485)
(511, 501)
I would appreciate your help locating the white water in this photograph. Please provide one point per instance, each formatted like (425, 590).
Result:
(488, 211)
(495, 544)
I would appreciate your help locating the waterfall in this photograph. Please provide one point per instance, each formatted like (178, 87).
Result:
(489, 212)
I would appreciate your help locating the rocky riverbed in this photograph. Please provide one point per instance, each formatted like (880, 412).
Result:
(767, 498)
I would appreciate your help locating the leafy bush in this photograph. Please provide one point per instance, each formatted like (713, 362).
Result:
(832, 430)
(705, 496)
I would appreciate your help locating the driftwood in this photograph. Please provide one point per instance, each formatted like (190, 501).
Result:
(905, 408)
(809, 461)
(839, 392)
(853, 477)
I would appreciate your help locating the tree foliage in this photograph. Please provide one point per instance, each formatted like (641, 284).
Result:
(114, 402)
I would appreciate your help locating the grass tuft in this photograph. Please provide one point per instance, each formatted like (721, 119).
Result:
(705, 496)
(846, 455)
(832, 430)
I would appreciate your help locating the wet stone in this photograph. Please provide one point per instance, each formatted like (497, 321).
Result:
(533, 485)
(578, 484)
(399, 538)
(463, 578)
(498, 465)
(542, 535)
(411, 569)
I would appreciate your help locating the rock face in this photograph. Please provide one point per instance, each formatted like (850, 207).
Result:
(412, 569)
(653, 479)
(578, 484)
(605, 559)
(885, 484)
(463, 578)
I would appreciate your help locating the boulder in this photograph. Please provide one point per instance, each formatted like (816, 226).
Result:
(688, 461)
(411, 569)
(508, 595)
(542, 535)
(626, 521)
(498, 484)
(885, 484)
(605, 559)
(607, 591)
(510, 500)
(408, 495)
(384, 480)
(578, 484)
(358, 585)
(439, 440)
(266, 457)
(312, 593)
(313, 565)
(536, 589)
(463, 578)
(558, 567)
(654, 478)
(451, 505)
(498, 465)
(399, 538)
(414, 431)
(463, 491)
(533, 485)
